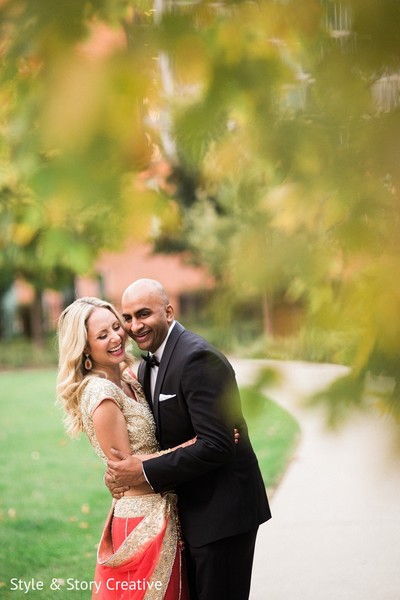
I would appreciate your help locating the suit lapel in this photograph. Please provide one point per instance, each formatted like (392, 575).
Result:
(140, 371)
(162, 369)
(143, 375)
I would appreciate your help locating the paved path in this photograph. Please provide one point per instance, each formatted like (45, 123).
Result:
(335, 531)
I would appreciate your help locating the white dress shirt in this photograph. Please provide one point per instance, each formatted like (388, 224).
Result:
(158, 355)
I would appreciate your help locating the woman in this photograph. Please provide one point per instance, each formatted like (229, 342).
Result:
(139, 555)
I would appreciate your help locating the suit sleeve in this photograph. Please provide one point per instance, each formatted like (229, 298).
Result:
(209, 388)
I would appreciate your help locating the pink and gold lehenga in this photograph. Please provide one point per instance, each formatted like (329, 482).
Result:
(139, 555)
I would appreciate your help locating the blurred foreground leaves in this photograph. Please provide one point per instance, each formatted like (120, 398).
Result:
(262, 137)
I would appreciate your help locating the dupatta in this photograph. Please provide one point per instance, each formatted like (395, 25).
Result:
(141, 567)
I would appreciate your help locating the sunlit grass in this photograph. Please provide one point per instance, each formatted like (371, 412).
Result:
(274, 434)
(52, 499)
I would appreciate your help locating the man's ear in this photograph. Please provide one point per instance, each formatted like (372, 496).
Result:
(170, 313)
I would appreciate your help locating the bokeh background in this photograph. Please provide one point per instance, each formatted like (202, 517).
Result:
(244, 153)
(255, 145)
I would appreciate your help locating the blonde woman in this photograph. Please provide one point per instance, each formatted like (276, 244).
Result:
(139, 554)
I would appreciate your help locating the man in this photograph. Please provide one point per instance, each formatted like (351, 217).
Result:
(193, 392)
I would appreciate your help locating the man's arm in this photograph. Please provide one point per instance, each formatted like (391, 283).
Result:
(123, 470)
(210, 392)
(127, 470)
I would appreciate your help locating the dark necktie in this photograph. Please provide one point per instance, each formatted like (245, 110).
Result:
(150, 360)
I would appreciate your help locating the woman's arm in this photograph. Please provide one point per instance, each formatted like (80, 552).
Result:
(110, 428)
(132, 471)
(111, 432)
(143, 457)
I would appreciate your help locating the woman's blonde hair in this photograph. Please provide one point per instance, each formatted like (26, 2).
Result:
(72, 374)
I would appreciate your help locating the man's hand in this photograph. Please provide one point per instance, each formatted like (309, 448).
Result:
(125, 471)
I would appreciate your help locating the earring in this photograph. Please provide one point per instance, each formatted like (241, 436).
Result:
(88, 363)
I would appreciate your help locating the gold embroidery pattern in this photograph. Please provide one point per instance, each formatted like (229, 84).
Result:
(138, 416)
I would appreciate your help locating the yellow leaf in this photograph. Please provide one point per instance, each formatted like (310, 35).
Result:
(23, 234)
(85, 509)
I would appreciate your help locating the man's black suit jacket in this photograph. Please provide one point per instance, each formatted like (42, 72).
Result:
(219, 485)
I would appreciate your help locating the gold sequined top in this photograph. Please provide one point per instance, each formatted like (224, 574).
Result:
(138, 416)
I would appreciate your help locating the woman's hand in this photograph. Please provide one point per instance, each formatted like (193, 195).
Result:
(116, 491)
(189, 442)
(144, 457)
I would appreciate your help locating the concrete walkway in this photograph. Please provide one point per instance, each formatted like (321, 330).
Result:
(335, 531)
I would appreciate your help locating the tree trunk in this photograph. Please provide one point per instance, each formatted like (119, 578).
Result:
(267, 319)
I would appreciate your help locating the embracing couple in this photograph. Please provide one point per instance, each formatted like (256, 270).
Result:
(188, 492)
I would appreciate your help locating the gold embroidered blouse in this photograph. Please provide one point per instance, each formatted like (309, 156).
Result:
(137, 414)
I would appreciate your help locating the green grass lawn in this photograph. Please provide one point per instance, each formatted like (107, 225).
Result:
(52, 498)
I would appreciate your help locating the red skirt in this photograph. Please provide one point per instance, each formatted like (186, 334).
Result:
(140, 554)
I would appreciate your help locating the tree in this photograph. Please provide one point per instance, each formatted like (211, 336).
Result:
(290, 139)
(280, 121)
(72, 138)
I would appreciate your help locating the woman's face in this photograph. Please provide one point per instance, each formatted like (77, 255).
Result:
(105, 338)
